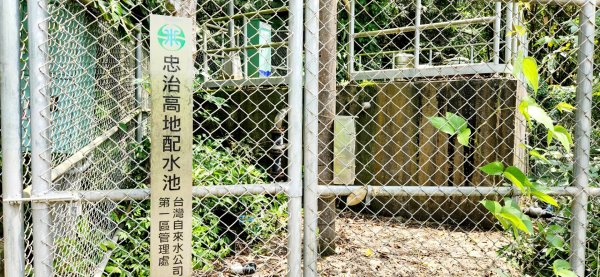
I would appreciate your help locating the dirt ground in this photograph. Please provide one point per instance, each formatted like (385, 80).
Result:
(379, 246)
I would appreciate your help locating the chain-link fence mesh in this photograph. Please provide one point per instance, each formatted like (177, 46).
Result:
(98, 128)
(407, 198)
(398, 193)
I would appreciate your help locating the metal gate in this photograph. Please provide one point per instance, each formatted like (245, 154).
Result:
(84, 109)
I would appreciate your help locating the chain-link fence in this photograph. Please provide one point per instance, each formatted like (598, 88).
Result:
(404, 102)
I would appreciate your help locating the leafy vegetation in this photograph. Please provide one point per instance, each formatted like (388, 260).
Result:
(256, 217)
(453, 124)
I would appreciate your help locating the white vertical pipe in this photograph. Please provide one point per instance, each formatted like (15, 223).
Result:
(231, 24)
(139, 132)
(205, 53)
(515, 37)
(350, 37)
(508, 51)
(497, 34)
(40, 135)
(295, 139)
(311, 123)
(430, 57)
(583, 129)
(12, 161)
(418, 33)
(525, 36)
(246, 58)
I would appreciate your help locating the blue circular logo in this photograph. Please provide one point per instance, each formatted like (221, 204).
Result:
(171, 37)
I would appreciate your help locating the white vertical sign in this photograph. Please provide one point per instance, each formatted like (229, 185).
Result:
(171, 73)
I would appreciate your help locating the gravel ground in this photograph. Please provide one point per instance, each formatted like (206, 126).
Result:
(380, 246)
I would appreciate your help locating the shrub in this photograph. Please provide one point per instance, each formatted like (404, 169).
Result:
(257, 217)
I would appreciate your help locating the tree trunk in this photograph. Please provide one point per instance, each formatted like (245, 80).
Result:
(327, 102)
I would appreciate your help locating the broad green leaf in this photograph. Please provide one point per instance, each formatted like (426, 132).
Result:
(530, 70)
(123, 126)
(356, 196)
(112, 269)
(458, 123)
(562, 268)
(517, 177)
(518, 65)
(442, 124)
(464, 136)
(539, 115)
(556, 229)
(565, 273)
(561, 134)
(518, 29)
(509, 202)
(516, 219)
(504, 222)
(561, 264)
(536, 154)
(494, 168)
(542, 196)
(366, 83)
(556, 241)
(493, 206)
(565, 107)
(524, 110)
(549, 136)
(527, 221)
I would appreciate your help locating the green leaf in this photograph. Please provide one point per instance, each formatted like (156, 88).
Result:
(561, 134)
(523, 109)
(123, 126)
(442, 124)
(530, 70)
(464, 136)
(538, 114)
(555, 241)
(509, 202)
(112, 269)
(536, 154)
(518, 65)
(542, 196)
(565, 273)
(494, 168)
(565, 107)
(562, 268)
(493, 206)
(518, 29)
(458, 123)
(549, 136)
(367, 83)
(517, 219)
(517, 177)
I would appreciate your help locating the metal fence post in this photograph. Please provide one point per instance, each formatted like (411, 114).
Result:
(311, 144)
(497, 32)
(350, 35)
(508, 51)
(12, 171)
(40, 135)
(583, 130)
(295, 139)
(418, 11)
(139, 133)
